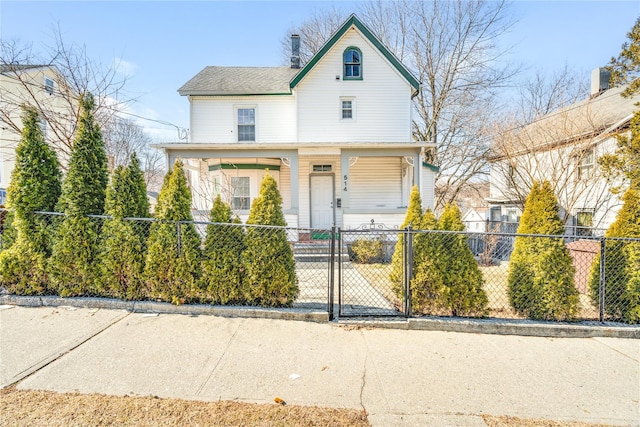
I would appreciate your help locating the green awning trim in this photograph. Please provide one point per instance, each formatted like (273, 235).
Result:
(434, 168)
(354, 21)
(244, 166)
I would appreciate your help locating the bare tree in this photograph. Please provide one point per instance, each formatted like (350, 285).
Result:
(73, 74)
(122, 138)
(451, 46)
(314, 31)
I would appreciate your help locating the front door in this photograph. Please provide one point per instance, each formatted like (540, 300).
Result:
(321, 201)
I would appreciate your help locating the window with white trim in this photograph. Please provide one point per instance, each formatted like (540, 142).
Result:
(347, 108)
(584, 222)
(241, 193)
(586, 165)
(246, 124)
(49, 85)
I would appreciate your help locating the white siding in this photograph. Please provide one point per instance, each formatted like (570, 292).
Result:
(213, 119)
(376, 183)
(382, 98)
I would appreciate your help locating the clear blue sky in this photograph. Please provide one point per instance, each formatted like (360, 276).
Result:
(164, 44)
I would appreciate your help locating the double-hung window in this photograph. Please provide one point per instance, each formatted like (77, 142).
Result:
(241, 193)
(586, 165)
(49, 85)
(347, 109)
(246, 124)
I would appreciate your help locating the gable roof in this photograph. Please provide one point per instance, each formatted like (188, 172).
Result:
(5, 68)
(227, 81)
(353, 21)
(591, 119)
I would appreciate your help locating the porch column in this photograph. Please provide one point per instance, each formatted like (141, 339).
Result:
(417, 172)
(295, 196)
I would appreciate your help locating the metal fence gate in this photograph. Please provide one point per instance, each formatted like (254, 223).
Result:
(367, 282)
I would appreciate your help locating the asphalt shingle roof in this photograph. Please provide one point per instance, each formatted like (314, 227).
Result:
(240, 81)
(4, 68)
(584, 117)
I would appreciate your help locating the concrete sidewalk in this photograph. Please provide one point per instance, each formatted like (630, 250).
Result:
(400, 377)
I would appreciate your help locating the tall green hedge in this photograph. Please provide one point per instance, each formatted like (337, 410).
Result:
(35, 186)
(222, 257)
(622, 264)
(124, 241)
(541, 273)
(412, 218)
(74, 262)
(427, 285)
(464, 294)
(269, 276)
(172, 266)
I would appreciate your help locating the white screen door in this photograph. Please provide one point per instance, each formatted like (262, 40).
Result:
(321, 201)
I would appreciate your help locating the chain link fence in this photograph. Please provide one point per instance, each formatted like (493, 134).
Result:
(174, 261)
(499, 275)
(365, 272)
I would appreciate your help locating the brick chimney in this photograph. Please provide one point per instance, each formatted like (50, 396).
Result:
(295, 51)
(599, 80)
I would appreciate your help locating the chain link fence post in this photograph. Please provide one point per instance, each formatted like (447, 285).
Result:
(340, 284)
(603, 252)
(408, 270)
(332, 261)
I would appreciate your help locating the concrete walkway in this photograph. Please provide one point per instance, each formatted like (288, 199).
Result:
(400, 377)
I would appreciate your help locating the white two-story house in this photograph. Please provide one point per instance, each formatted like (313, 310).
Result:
(35, 85)
(336, 134)
(563, 147)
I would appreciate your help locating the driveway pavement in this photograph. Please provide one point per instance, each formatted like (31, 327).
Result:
(401, 377)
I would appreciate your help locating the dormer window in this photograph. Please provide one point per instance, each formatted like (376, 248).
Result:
(352, 64)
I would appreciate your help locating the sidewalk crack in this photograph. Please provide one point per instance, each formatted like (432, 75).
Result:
(205, 382)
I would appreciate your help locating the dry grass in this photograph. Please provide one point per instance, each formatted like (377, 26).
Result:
(505, 421)
(378, 276)
(39, 408)
(495, 278)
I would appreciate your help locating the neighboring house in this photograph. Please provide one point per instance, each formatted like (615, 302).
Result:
(20, 84)
(336, 135)
(475, 219)
(563, 147)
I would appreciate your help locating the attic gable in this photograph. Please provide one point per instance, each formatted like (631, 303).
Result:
(353, 21)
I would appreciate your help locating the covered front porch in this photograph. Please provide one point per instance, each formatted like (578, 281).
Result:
(321, 186)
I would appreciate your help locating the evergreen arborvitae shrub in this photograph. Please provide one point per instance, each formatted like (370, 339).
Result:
(427, 285)
(412, 218)
(124, 241)
(541, 273)
(74, 265)
(269, 276)
(172, 266)
(462, 279)
(222, 257)
(621, 267)
(35, 186)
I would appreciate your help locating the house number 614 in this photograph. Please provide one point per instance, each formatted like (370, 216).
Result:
(346, 179)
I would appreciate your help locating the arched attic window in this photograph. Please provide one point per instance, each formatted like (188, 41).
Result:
(352, 64)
